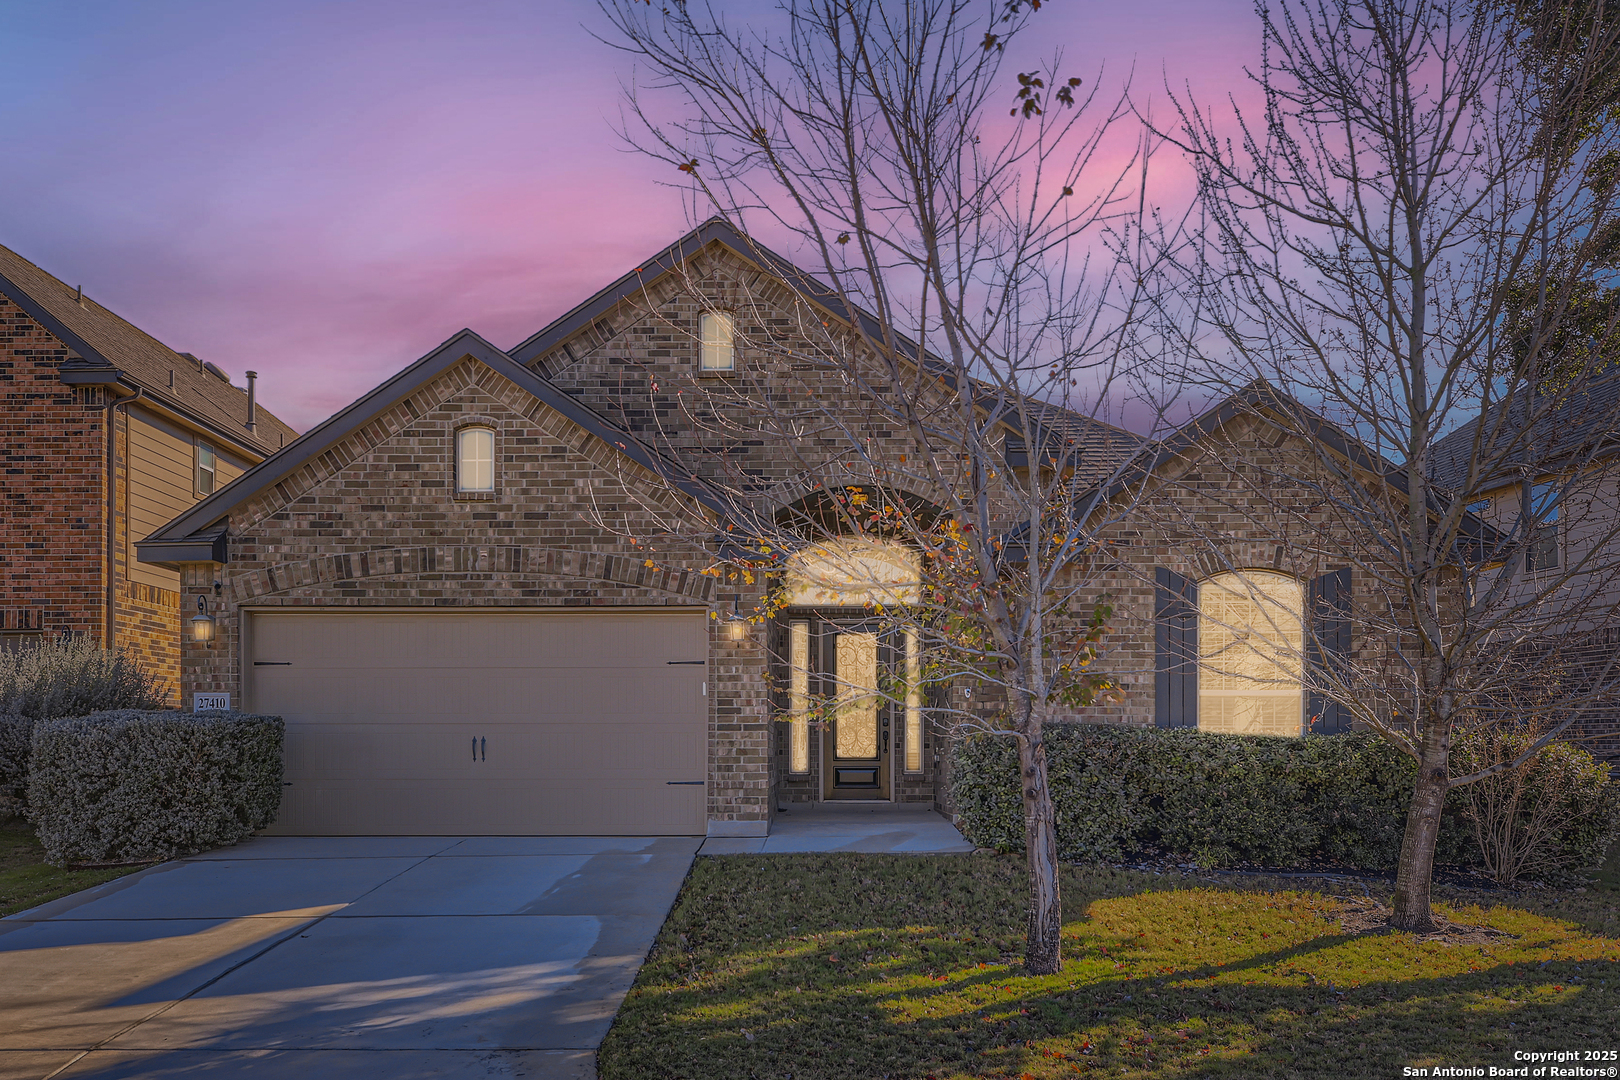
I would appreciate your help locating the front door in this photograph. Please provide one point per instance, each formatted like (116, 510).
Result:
(855, 749)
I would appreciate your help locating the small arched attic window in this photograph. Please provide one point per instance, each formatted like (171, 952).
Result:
(475, 459)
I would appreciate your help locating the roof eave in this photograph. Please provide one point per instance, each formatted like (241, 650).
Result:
(340, 425)
(207, 546)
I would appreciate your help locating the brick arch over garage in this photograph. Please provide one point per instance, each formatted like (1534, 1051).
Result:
(505, 560)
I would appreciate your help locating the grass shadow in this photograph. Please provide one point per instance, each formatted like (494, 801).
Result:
(879, 965)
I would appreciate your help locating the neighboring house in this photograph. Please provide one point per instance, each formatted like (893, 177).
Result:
(1551, 486)
(439, 587)
(108, 434)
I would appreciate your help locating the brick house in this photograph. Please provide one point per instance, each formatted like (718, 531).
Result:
(441, 589)
(108, 433)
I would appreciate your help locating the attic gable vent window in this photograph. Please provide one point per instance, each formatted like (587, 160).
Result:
(475, 459)
(717, 331)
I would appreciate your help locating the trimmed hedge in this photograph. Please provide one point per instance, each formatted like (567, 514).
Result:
(135, 786)
(1218, 800)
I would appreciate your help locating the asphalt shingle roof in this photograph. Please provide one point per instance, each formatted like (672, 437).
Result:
(145, 360)
(1584, 425)
(1102, 446)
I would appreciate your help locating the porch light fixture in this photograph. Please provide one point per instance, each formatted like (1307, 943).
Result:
(736, 625)
(202, 623)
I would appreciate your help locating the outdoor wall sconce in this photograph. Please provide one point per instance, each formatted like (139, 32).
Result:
(736, 625)
(202, 623)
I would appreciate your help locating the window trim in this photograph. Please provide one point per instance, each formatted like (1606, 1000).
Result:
(1543, 538)
(728, 319)
(456, 442)
(798, 710)
(199, 449)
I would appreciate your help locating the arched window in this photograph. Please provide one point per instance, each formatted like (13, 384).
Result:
(852, 571)
(475, 459)
(1251, 645)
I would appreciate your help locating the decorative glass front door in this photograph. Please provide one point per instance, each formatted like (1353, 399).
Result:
(856, 750)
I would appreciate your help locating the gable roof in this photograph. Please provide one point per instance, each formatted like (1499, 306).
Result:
(714, 231)
(104, 340)
(197, 535)
(1102, 445)
(1582, 426)
(1260, 399)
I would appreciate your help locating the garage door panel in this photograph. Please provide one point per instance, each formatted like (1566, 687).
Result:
(584, 725)
(335, 752)
(433, 695)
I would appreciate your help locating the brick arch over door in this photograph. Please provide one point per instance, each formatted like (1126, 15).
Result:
(798, 495)
(554, 562)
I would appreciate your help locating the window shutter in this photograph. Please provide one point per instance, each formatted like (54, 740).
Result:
(1329, 645)
(1175, 650)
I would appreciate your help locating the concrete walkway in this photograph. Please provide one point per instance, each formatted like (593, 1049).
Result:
(875, 827)
(314, 957)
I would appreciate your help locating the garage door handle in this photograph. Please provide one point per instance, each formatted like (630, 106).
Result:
(686, 661)
(272, 663)
(683, 783)
(483, 750)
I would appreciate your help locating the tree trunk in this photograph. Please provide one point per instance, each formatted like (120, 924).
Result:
(1043, 943)
(1416, 871)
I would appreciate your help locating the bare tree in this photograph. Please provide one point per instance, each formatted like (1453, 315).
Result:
(1402, 245)
(939, 385)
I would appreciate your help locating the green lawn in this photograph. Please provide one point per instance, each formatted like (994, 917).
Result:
(843, 966)
(25, 879)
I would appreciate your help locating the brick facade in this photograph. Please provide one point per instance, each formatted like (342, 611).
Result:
(1219, 507)
(53, 537)
(53, 508)
(637, 365)
(374, 519)
(375, 522)
(1223, 505)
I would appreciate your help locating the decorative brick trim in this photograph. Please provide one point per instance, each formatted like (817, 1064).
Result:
(513, 561)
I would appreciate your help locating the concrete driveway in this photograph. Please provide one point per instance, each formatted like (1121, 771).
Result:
(314, 957)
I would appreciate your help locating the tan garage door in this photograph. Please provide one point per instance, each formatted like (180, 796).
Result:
(487, 723)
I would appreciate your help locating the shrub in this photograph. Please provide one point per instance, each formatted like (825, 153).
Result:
(1218, 800)
(62, 676)
(15, 734)
(1555, 813)
(133, 786)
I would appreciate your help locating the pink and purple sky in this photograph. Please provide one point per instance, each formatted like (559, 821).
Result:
(323, 191)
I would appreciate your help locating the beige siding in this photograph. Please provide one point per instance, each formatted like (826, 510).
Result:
(228, 468)
(160, 484)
